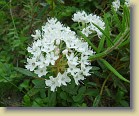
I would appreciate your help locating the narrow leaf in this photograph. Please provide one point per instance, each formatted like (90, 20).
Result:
(114, 70)
(88, 41)
(96, 101)
(25, 71)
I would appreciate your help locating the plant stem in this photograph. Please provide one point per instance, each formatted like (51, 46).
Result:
(103, 85)
(110, 49)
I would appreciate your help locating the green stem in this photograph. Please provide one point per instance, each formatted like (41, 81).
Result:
(103, 85)
(110, 49)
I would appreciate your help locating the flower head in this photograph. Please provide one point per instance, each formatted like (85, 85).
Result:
(59, 55)
(89, 21)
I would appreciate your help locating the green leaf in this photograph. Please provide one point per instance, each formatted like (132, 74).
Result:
(49, 1)
(39, 102)
(88, 41)
(117, 20)
(119, 95)
(38, 83)
(92, 84)
(126, 17)
(117, 37)
(33, 92)
(118, 83)
(94, 68)
(61, 1)
(5, 72)
(107, 36)
(101, 44)
(42, 12)
(108, 91)
(43, 93)
(52, 98)
(107, 29)
(63, 95)
(120, 39)
(124, 103)
(84, 105)
(24, 85)
(25, 71)
(124, 43)
(78, 98)
(27, 101)
(126, 58)
(92, 92)
(114, 70)
(96, 101)
(35, 104)
(82, 90)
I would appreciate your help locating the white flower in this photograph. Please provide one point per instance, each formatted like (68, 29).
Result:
(47, 47)
(31, 64)
(73, 70)
(65, 51)
(86, 31)
(34, 50)
(41, 71)
(84, 60)
(116, 4)
(41, 62)
(52, 83)
(85, 70)
(89, 21)
(72, 60)
(63, 78)
(37, 35)
(127, 3)
(78, 77)
(51, 57)
(80, 16)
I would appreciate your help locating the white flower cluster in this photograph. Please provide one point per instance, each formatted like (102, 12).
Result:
(87, 21)
(116, 4)
(127, 3)
(60, 54)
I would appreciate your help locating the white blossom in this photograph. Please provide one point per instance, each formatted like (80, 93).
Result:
(62, 54)
(89, 20)
(80, 17)
(31, 64)
(78, 77)
(63, 78)
(72, 60)
(65, 51)
(52, 83)
(37, 35)
(116, 4)
(73, 70)
(41, 71)
(127, 3)
(51, 57)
